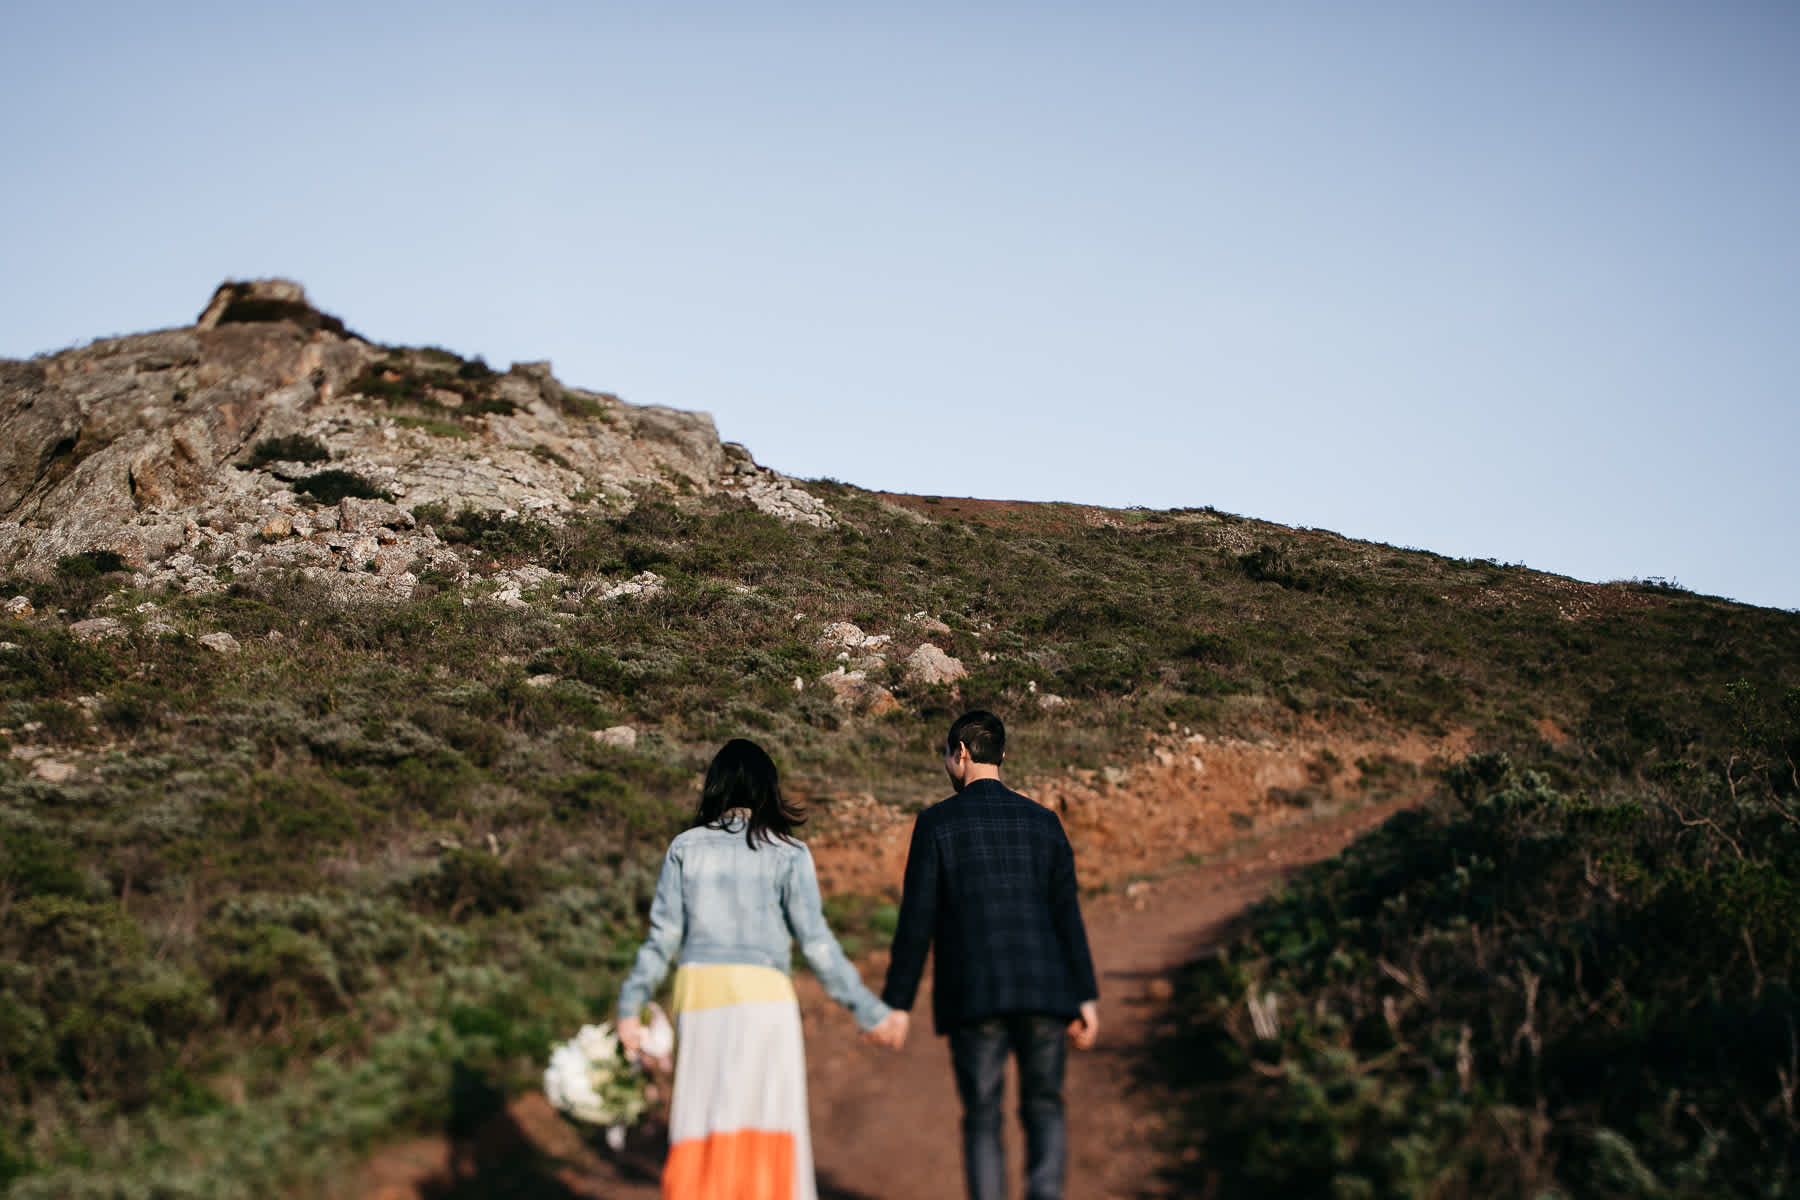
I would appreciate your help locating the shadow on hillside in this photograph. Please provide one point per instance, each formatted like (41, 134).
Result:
(1180, 1066)
(492, 1155)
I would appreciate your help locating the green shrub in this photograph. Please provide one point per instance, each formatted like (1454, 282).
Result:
(436, 427)
(267, 975)
(330, 487)
(470, 883)
(59, 722)
(89, 564)
(141, 707)
(420, 381)
(575, 404)
(35, 864)
(546, 454)
(49, 662)
(295, 447)
(1511, 950)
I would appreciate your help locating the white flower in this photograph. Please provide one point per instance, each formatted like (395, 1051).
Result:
(569, 1085)
(598, 1042)
(589, 1079)
(659, 1035)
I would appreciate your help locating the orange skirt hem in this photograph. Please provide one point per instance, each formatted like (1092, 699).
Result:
(744, 1164)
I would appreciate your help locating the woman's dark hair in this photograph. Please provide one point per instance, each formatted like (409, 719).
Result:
(742, 775)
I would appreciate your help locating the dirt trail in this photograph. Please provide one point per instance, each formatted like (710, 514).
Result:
(885, 1126)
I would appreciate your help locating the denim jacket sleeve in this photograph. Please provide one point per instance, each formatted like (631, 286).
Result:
(805, 913)
(668, 920)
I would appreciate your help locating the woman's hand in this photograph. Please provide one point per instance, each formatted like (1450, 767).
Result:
(891, 1032)
(631, 1036)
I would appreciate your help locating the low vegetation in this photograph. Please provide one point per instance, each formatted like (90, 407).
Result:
(357, 877)
(293, 448)
(332, 486)
(1550, 982)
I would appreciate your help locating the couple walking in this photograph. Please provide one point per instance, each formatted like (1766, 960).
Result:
(989, 888)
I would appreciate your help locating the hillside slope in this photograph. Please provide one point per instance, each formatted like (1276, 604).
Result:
(349, 694)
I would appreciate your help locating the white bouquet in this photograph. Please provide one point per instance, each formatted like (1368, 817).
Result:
(591, 1080)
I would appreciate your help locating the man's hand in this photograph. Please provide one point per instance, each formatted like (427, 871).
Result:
(631, 1036)
(1084, 1030)
(892, 1030)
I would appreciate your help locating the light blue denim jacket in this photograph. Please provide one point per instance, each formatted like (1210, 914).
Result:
(719, 901)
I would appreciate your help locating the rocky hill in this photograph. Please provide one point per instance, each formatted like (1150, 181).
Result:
(268, 437)
(349, 695)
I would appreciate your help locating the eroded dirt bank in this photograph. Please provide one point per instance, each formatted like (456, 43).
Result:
(1189, 798)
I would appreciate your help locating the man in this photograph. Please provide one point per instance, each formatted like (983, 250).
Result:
(990, 890)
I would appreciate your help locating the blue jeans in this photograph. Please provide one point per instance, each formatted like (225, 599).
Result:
(978, 1052)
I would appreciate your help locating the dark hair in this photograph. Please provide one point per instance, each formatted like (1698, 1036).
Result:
(982, 733)
(742, 775)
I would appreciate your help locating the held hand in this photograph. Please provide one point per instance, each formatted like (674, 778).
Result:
(891, 1032)
(631, 1036)
(1084, 1030)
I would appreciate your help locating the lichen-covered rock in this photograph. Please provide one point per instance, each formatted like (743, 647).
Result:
(361, 516)
(855, 691)
(930, 666)
(927, 622)
(52, 771)
(640, 586)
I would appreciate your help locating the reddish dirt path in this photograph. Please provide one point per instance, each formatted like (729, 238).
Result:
(885, 1125)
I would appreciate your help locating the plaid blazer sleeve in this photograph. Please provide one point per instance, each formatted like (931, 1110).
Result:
(918, 919)
(1065, 914)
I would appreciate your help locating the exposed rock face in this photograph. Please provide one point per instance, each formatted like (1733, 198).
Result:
(930, 666)
(99, 629)
(261, 300)
(854, 690)
(156, 447)
(220, 643)
(623, 737)
(927, 622)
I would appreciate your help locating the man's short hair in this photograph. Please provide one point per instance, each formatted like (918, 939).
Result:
(982, 733)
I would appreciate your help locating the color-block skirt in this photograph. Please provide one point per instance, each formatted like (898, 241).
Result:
(738, 1126)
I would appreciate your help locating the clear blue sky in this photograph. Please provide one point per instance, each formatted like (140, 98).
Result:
(1501, 280)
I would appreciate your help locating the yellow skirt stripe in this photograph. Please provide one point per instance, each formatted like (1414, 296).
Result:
(708, 985)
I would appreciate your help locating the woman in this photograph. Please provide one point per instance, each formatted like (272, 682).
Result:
(733, 890)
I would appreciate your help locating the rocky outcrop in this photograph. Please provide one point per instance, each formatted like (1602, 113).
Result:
(855, 691)
(930, 667)
(863, 656)
(185, 450)
(259, 301)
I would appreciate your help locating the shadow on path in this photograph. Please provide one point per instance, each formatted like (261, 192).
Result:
(494, 1157)
(490, 1154)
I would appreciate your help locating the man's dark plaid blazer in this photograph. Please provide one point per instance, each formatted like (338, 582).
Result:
(990, 887)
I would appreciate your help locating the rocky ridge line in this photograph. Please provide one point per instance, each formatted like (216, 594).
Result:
(144, 447)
